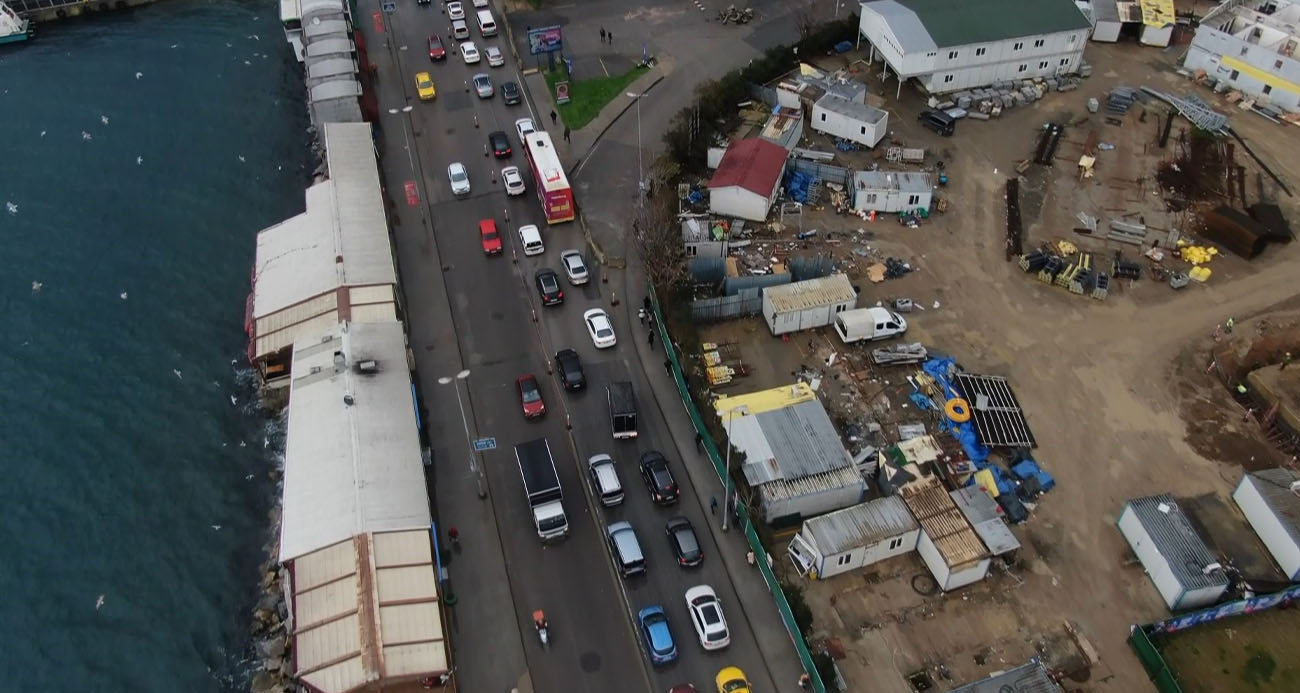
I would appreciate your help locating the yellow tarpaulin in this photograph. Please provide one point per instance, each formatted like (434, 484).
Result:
(1157, 13)
(984, 479)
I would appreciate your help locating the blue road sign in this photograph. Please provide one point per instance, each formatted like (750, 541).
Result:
(389, 7)
(485, 444)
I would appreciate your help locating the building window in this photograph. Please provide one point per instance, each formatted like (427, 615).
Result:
(864, 129)
(1018, 45)
(1277, 65)
(823, 117)
(1038, 43)
(1268, 88)
(1022, 68)
(843, 560)
(1065, 61)
(913, 199)
(947, 79)
(979, 51)
(952, 55)
(1245, 49)
(1042, 65)
(895, 543)
(1233, 77)
(871, 198)
(692, 250)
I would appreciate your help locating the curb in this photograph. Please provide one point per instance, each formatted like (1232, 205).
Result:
(626, 107)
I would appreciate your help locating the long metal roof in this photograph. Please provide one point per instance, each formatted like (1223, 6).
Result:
(1177, 541)
(939, 517)
(1031, 677)
(952, 24)
(352, 461)
(810, 293)
(851, 109)
(904, 24)
(902, 181)
(1274, 487)
(861, 525)
(789, 443)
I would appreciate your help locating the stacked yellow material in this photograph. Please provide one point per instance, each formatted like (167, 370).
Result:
(1196, 254)
(1200, 274)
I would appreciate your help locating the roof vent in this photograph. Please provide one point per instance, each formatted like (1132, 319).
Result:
(1211, 568)
(369, 366)
(348, 400)
(315, 370)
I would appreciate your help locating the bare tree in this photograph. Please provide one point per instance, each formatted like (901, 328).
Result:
(658, 237)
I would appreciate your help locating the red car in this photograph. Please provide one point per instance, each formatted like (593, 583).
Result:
(488, 236)
(530, 396)
(436, 51)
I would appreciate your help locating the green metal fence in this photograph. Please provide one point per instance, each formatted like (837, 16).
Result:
(1153, 661)
(716, 458)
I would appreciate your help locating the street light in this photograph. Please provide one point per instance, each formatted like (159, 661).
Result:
(731, 413)
(469, 442)
(640, 170)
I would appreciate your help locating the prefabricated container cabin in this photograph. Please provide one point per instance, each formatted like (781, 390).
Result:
(854, 537)
(1175, 557)
(807, 304)
(1270, 500)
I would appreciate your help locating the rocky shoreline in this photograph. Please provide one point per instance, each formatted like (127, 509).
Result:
(269, 624)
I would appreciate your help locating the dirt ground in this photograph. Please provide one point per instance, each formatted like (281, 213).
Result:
(1254, 653)
(1118, 392)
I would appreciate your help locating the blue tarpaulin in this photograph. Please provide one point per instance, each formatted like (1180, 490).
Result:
(963, 432)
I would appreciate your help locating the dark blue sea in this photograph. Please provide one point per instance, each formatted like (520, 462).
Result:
(140, 153)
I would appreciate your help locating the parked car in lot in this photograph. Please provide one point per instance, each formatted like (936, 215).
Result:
(600, 328)
(548, 286)
(686, 546)
(494, 56)
(459, 178)
(569, 367)
(455, 10)
(524, 126)
(469, 52)
(513, 180)
(424, 86)
(706, 615)
(574, 268)
(488, 237)
(510, 93)
(500, 144)
(483, 86)
(530, 396)
(658, 636)
(658, 478)
(436, 51)
(732, 680)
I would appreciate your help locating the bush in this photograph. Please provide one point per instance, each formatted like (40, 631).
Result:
(803, 617)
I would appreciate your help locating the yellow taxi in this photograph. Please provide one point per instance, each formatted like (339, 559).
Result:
(732, 680)
(424, 86)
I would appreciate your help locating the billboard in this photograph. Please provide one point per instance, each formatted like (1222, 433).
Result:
(546, 39)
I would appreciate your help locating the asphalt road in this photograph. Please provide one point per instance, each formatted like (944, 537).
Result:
(594, 645)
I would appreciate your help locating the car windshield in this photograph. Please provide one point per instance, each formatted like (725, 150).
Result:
(734, 685)
(529, 390)
(481, 81)
(457, 174)
(424, 83)
(548, 282)
(604, 332)
(490, 235)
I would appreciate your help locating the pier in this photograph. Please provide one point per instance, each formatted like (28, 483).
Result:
(50, 10)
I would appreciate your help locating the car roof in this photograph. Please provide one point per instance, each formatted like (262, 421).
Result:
(652, 456)
(566, 353)
(485, 224)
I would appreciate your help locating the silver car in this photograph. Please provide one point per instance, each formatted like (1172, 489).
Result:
(483, 85)
(494, 56)
(574, 268)
(524, 126)
(459, 177)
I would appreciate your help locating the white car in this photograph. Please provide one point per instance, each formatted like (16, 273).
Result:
(706, 615)
(600, 328)
(513, 179)
(459, 177)
(469, 52)
(480, 3)
(524, 126)
(494, 56)
(455, 10)
(574, 268)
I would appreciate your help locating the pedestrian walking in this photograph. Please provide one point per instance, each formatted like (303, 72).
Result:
(650, 338)
(610, 35)
(1286, 361)
(805, 681)
(640, 314)
(602, 34)
(454, 535)
(1227, 326)
(645, 303)
(1218, 333)
(553, 116)
(699, 447)
(668, 367)
(566, 133)
(713, 504)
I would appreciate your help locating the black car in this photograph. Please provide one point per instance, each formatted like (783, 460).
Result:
(500, 144)
(569, 367)
(686, 546)
(658, 478)
(548, 285)
(510, 93)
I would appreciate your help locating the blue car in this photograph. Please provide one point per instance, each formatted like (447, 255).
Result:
(658, 638)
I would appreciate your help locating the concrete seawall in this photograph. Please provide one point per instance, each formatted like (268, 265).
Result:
(51, 10)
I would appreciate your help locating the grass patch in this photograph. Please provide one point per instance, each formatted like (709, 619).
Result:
(587, 97)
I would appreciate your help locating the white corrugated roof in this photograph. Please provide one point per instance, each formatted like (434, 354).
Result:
(823, 291)
(350, 468)
(367, 609)
(902, 181)
(864, 524)
(851, 109)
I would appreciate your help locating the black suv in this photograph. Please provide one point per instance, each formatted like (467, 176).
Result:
(548, 285)
(510, 92)
(500, 144)
(658, 478)
(569, 367)
(686, 546)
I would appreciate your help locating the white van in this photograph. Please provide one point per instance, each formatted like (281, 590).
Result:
(868, 324)
(604, 480)
(459, 29)
(486, 24)
(531, 239)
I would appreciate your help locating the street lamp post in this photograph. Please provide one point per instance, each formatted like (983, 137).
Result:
(469, 442)
(640, 169)
(742, 410)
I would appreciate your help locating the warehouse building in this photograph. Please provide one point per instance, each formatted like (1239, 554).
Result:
(356, 540)
(748, 179)
(1270, 500)
(794, 459)
(330, 264)
(1251, 45)
(854, 537)
(947, 46)
(1185, 572)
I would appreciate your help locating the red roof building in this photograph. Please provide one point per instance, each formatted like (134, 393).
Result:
(747, 179)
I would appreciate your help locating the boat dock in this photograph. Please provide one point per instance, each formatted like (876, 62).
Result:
(50, 10)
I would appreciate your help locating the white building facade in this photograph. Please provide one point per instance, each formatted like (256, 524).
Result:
(949, 47)
(1252, 45)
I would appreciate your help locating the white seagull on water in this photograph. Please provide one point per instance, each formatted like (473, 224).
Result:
(85, 136)
(178, 374)
(103, 119)
(138, 75)
(122, 295)
(36, 287)
(139, 160)
(12, 207)
(99, 602)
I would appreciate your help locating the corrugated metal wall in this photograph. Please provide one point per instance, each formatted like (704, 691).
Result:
(745, 303)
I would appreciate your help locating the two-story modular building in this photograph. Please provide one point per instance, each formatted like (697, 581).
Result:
(948, 46)
(1252, 45)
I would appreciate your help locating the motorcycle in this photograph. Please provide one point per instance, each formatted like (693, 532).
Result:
(543, 628)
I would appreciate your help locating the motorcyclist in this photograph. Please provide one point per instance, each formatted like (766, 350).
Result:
(539, 620)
